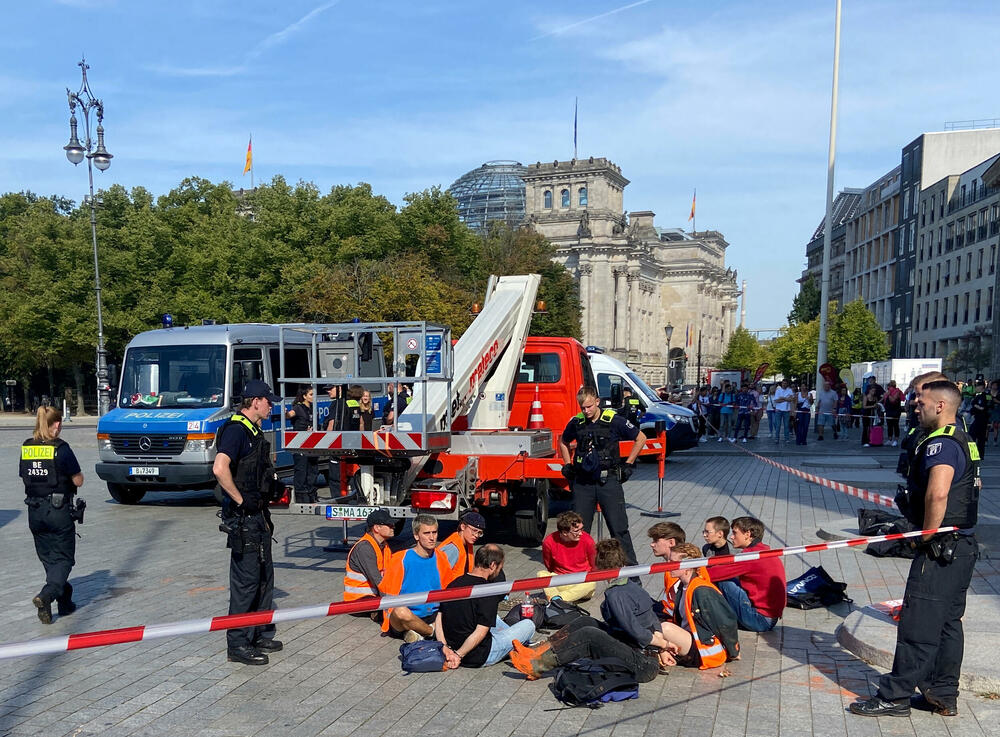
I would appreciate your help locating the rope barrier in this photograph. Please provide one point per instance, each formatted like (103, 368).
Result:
(256, 619)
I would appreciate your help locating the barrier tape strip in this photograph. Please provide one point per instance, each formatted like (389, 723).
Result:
(275, 616)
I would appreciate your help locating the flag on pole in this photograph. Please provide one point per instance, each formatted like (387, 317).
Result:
(694, 197)
(249, 164)
(576, 101)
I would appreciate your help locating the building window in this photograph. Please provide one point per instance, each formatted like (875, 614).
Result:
(965, 309)
(989, 304)
(583, 196)
(993, 258)
(979, 298)
(963, 197)
(564, 198)
(547, 197)
(933, 204)
(979, 268)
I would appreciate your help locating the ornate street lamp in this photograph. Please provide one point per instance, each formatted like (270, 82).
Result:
(96, 155)
(669, 331)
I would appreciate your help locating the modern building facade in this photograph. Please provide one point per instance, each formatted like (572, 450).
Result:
(634, 278)
(870, 248)
(845, 206)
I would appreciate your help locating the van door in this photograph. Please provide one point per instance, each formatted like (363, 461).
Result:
(248, 365)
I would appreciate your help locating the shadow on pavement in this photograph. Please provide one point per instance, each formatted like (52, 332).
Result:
(8, 515)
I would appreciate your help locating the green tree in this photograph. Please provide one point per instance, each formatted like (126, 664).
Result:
(429, 225)
(794, 351)
(806, 304)
(972, 356)
(743, 351)
(854, 335)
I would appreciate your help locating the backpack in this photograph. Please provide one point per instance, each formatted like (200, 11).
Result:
(815, 588)
(423, 656)
(559, 613)
(879, 522)
(593, 683)
(516, 613)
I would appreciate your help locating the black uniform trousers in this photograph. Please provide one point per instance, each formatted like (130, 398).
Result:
(305, 471)
(930, 641)
(251, 580)
(55, 543)
(588, 494)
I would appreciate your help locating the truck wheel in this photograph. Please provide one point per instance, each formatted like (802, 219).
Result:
(531, 520)
(126, 494)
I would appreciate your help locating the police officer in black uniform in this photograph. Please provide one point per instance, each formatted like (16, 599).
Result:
(942, 491)
(595, 469)
(245, 473)
(914, 432)
(982, 403)
(352, 407)
(631, 408)
(306, 467)
(51, 476)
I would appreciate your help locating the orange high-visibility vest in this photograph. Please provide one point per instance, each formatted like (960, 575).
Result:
(713, 653)
(670, 586)
(356, 586)
(466, 556)
(392, 581)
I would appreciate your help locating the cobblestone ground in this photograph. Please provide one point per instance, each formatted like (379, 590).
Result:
(163, 560)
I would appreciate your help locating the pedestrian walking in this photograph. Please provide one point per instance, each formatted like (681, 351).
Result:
(942, 489)
(245, 474)
(784, 397)
(51, 476)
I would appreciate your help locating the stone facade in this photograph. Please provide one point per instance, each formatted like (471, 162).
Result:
(634, 278)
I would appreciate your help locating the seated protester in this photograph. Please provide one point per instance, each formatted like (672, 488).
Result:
(584, 638)
(472, 633)
(420, 568)
(754, 589)
(703, 633)
(664, 536)
(568, 550)
(457, 547)
(367, 561)
(715, 533)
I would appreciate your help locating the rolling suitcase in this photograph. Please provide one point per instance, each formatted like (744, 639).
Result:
(875, 436)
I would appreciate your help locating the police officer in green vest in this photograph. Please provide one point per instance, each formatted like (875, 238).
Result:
(914, 432)
(943, 489)
(246, 476)
(51, 476)
(352, 407)
(631, 408)
(595, 469)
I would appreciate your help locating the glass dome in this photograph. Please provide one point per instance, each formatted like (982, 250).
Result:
(494, 191)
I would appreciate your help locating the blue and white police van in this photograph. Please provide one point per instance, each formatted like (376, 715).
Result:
(179, 384)
(682, 428)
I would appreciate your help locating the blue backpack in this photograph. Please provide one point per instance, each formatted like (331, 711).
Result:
(423, 656)
(593, 683)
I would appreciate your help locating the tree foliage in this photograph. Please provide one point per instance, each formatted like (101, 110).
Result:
(973, 355)
(806, 304)
(280, 253)
(743, 351)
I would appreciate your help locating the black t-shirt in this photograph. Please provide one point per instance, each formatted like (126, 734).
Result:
(710, 551)
(942, 451)
(302, 416)
(621, 429)
(234, 442)
(460, 618)
(66, 462)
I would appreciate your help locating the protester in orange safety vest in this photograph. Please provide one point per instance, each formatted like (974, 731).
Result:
(664, 536)
(703, 633)
(367, 561)
(457, 547)
(420, 568)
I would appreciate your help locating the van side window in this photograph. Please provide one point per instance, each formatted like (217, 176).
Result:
(606, 381)
(296, 367)
(248, 365)
(587, 371)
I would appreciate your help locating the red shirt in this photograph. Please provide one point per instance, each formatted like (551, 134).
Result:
(763, 580)
(562, 557)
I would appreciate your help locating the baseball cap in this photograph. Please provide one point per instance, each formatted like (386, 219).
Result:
(474, 519)
(258, 388)
(379, 517)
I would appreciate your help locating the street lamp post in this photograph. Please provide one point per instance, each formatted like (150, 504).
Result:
(669, 331)
(98, 156)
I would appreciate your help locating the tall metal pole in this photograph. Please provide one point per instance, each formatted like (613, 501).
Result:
(698, 381)
(828, 229)
(103, 398)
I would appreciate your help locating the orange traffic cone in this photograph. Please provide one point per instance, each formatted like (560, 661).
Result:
(535, 419)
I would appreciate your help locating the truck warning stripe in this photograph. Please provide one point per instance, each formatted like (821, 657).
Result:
(230, 621)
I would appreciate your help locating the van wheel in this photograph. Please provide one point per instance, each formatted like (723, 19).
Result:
(126, 494)
(531, 519)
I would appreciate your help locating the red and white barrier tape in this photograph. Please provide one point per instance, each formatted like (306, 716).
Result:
(257, 619)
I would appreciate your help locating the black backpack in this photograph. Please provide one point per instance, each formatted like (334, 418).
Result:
(559, 613)
(593, 683)
(814, 589)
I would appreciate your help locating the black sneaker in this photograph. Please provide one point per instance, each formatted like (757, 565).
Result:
(43, 603)
(247, 655)
(877, 707)
(268, 646)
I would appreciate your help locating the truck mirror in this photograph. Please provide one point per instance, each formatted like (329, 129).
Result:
(616, 395)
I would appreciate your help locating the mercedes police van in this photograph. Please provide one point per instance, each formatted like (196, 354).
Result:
(179, 384)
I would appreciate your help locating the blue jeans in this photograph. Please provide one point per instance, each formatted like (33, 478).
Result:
(747, 615)
(771, 422)
(781, 421)
(504, 635)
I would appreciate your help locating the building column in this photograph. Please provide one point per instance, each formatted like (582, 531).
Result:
(585, 270)
(621, 303)
(634, 336)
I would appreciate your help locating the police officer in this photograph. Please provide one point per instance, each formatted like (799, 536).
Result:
(982, 403)
(245, 473)
(51, 476)
(942, 491)
(352, 416)
(306, 467)
(914, 432)
(631, 408)
(595, 469)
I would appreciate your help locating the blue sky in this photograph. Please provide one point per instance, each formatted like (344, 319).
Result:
(729, 97)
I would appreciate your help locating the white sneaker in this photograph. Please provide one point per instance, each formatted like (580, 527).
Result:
(894, 443)
(866, 445)
(732, 440)
(744, 440)
(719, 440)
(410, 636)
(703, 439)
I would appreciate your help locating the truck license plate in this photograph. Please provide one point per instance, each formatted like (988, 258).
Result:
(343, 512)
(143, 471)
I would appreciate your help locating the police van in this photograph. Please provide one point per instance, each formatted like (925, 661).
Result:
(613, 376)
(179, 384)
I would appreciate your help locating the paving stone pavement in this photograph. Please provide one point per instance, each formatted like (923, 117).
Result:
(163, 560)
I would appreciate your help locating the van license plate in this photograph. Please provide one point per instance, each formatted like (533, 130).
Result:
(143, 471)
(343, 512)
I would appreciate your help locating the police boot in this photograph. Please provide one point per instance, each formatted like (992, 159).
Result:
(44, 604)
(65, 602)
(533, 661)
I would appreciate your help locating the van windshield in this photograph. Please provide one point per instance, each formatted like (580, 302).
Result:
(646, 391)
(174, 376)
